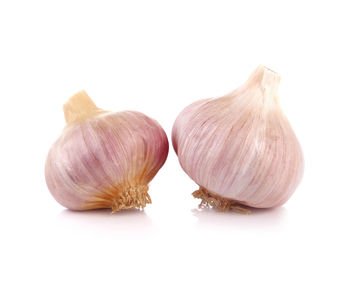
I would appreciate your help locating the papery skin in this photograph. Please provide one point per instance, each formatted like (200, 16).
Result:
(94, 159)
(241, 146)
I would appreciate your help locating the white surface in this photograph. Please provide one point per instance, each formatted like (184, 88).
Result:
(157, 57)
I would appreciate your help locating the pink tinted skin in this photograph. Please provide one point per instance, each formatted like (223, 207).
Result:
(240, 146)
(109, 151)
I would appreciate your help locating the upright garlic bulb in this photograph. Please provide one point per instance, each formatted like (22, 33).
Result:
(104, 159)
(240, 148)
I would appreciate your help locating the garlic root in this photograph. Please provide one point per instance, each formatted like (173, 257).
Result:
(222, 204)
(124, 198)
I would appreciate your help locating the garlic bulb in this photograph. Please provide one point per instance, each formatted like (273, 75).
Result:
(104, 159)
(240, 148)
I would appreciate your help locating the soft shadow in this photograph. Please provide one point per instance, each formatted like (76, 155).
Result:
(102, 220)
(258, 218)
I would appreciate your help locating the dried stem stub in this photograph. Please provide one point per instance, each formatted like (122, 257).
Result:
(79, 107)
(222, 204)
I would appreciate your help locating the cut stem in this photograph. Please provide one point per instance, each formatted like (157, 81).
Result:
(79, 107)
(217, 202)
(266, 79)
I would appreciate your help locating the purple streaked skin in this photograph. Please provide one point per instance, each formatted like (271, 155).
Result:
(93, 159)
(241, 146)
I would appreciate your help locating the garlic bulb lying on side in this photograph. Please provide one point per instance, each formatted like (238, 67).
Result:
(104, 159)
(240, 148)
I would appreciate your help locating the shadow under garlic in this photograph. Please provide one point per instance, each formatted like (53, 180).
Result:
(257, 219)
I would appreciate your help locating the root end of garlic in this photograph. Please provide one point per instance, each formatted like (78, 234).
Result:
(222, 204)
(119, 199)
(134, 197)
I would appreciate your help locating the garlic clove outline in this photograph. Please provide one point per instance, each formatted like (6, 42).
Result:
(104, 159)
(240, 148)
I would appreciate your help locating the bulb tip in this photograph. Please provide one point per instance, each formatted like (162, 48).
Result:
(78, 107)
(266, 78)
(262, 71)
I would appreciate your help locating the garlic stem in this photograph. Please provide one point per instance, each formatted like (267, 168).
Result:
(79, 107)
(266, 80)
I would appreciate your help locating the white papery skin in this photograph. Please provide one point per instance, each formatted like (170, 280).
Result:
(241, 146)
(102, 154)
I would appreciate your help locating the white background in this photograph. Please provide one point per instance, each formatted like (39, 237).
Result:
(157, 57)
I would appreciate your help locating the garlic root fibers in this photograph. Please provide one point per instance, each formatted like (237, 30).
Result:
(222, 204)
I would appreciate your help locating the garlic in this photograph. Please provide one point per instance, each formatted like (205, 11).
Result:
(240, 148)
(104, 159)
